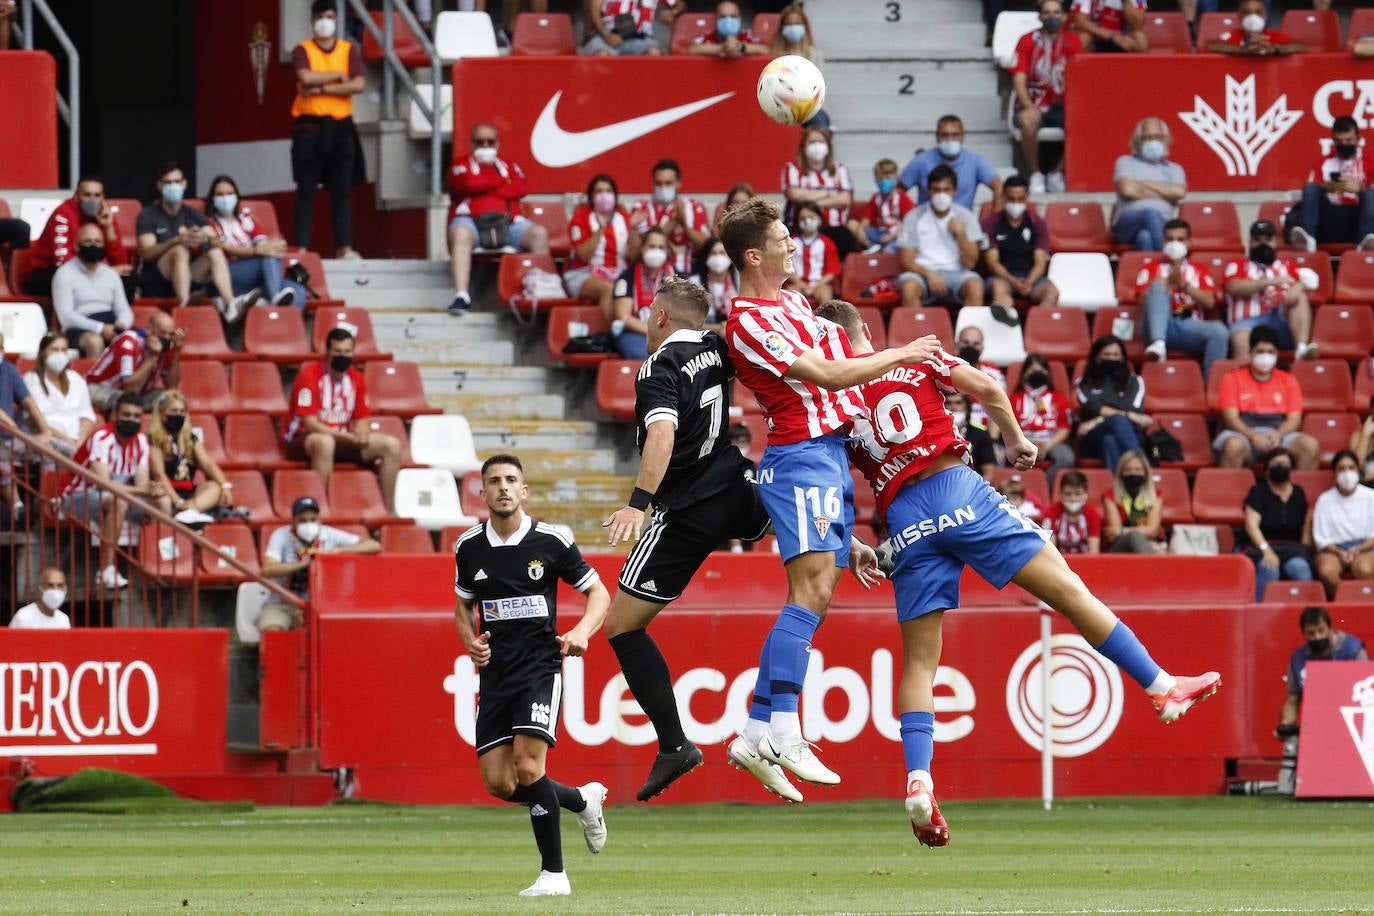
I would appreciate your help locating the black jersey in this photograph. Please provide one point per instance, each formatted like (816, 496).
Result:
(515, 586)
(687, 381)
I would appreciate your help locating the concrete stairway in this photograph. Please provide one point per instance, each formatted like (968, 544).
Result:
(476, 366)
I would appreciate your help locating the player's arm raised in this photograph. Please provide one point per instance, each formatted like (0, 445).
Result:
(474, 642)
(627, 521)
(838, 374)
(1021, 452)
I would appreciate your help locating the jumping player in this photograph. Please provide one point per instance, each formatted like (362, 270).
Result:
(918, 466)
(508, 569)
(798, 367)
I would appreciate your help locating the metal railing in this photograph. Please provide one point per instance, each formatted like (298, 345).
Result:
(70, 107)
(393, 69)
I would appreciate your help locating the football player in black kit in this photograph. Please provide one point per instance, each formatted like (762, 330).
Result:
(507, 573)
(703, 494)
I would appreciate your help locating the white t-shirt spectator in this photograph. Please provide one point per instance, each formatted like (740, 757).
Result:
(284, 547)
(64, 412)
(934, 243)
(1340, 519)
(31, 617)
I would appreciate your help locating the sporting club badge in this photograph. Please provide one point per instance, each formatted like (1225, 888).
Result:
(536, 570)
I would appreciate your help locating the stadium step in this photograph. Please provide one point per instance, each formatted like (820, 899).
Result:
(394, 329)
(477, 407)
(531, 435)
(843, 28)
(550, 465)
(405, 284)
(904, 94)
(447, 378)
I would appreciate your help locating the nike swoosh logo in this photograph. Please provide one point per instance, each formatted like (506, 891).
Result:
(556, 148)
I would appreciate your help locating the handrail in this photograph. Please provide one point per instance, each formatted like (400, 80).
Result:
(150, 511)
(431, 109)
(70, 110)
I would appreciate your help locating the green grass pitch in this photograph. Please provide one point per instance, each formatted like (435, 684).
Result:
(1171, 855)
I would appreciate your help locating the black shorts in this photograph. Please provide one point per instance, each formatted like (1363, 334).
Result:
(677, 541)
(531, 710)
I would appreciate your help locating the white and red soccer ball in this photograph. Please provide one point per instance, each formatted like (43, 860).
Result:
(791, 89)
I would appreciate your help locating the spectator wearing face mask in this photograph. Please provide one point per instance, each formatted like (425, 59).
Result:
(290, 551)
(1337, 201)
(88, 296)
(1254, 38)
(634, 294)
(1132, 512)
(970, 169)
(882, 221)
(982, 451)
(939, 246)
(731, 39)
(1263, 290)
(1278, 526)
(1037, 77)
(1021, 499)
(1044, 415)
(794, 37)
(1261, 410)
(1321, 643)
(815, 177)
(626, 27)
(255, 261)
(815, 261)
(176, 455)
(45, 612)
(138, 361)
(61, 395)
(1148, 188)
(57, 243)
(713, 272)
(1343, 526)
(1178, 294)
(1111, 25)
(681, 218)
(603, 245)
(1111, 401)
(1075, 526)
(970, 345)
(1018, 253)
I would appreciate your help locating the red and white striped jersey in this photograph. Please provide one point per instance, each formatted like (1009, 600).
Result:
(241, 231)
(815, 259)
(123, 356)
(316, 394)
(1193, 275)
(123, 459)
(765, 339)
(608, 258)
(815, 179)
(1110, 14)
(905, 427)
(641, 10)
(680, 243)
(885, 211)
(1266, 300)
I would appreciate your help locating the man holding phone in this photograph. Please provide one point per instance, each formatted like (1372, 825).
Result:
(1337, 202)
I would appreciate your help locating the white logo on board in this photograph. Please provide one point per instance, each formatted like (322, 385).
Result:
(1240, 139)
(1359, 719)
(1087, 696)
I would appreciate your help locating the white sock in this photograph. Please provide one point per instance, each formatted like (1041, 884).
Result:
(786, 727)
(753, 731)
(1163, 683)
(923, 776)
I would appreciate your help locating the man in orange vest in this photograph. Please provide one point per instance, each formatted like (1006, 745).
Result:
(324, 143)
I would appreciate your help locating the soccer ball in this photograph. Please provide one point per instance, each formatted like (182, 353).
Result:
(791, 89)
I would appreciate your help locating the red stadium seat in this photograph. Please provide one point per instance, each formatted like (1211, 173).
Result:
(1355, 280)
(554, 219)
(1314, 483)
(251, 440)
(365, 339)
(863, 270)
(250, 492)
(204, 334)
(1276, 211)
(264, 214)
(396, 388)
(19, 272)
(1361, 24)
(542, 35)
(1128, 271)
(470, 493)
(1057, 333)
(687, 28)
(449, 536)
(615, 387)
(1219, 495)
(1283, 592)
(877, 329)
(1215, 262)
(1033, 480)
(1078, 226)
(1364, 386)
(206, 428)
(1320, 263)
(290, 485)
(166, 554)
(1168, 33)
(765, 26)
(559, 319)
(1171, 488)
(906, 324)
(356, 496)
(396, 427)
(1059, 377)
(257, 388)
(1190, 429)
(1211, 25)
(317, 287)
(1320, 30)
(1325, 384)
(1215, 224)
(277, 334)
(205, 386)
(1219, 370)
(403, 42)
(1331, 430)
(125, 212)
(1343, 331)
(1100, 481)
(1175, 386)
(235, 540)
(1124, 322)
(406, 539)
(1355, 592)
(510, 282)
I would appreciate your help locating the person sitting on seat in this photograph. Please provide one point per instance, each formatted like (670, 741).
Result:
(882, 221)
(61, 395)
(176, 454)
(1132, 511)
(1018, 253)
(138, 361)
(626, 27)
(815, 262)
(1111, 25)
(88, 296)
(57, 243)
(731, 39)
(1343, 526)
(1254, 38)
(1261, 410)
(289, 553)
(1178, 294)
(1263, 289)
(1037, 77)
(1278, 526)
(1338, 200)
(939, 245)
(45, 612)
(255, 261)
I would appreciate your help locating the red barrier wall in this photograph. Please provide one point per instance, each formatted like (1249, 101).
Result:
(28, 120)
(1239, 124)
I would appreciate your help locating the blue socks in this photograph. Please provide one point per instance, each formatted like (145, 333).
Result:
(1130, 655)
(789, 646)
(918, 740)
(761, 706)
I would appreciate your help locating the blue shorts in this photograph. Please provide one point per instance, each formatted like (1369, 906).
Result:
(945, 521)
(809, 494)
(1273, 319)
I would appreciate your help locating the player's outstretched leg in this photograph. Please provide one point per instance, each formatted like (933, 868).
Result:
(921, 647)
(1048, 577)
(592, 817)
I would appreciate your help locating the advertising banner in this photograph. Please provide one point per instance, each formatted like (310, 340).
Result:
(1336, 750)
(565, 119)
(1238, 124)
